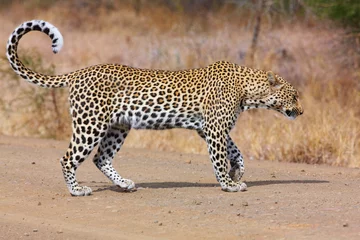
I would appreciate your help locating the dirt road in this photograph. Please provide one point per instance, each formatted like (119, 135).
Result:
(177, 198)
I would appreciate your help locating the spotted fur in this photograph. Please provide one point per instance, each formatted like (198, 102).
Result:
(108, 100)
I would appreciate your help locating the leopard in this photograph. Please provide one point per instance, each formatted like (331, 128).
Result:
(108, 100)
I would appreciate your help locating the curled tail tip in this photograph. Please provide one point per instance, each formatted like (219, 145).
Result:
(42, 26)
(55, 35)
(56, 48)
(25, 72)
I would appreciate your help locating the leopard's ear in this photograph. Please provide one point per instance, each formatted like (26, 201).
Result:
(274, 82)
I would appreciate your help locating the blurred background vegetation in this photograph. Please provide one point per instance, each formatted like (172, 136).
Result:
(314, 44)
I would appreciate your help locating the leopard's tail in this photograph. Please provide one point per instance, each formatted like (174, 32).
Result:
(26, 73)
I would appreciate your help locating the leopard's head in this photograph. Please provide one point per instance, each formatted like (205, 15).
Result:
(282, 97)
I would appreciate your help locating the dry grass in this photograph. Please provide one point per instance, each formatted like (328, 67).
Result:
(313, 58)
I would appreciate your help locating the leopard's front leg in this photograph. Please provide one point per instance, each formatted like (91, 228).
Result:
(217, 147)
(236, 160)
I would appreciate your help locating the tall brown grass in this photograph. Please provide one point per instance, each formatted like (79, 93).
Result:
(310, 54)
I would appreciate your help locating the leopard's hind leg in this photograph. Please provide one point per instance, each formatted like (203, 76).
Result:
(108, 147)
(83, 141)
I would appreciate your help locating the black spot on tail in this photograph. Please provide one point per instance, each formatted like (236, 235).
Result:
(37, 28)
(20, 30)
(54, 40)
(51, 36)
(13, 39)
(29, 24)
(46, 30)
(13, 66)
(43, 24)
(9, 50)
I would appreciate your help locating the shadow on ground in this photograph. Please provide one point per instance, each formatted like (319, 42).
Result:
(157, 185)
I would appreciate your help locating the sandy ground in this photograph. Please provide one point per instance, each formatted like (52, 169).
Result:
(177, 198)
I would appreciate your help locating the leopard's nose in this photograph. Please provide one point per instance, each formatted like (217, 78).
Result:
(288, 113)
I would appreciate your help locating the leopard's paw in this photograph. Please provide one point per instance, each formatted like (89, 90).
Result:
(126, 184)
(234, 187)
(80, 191)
